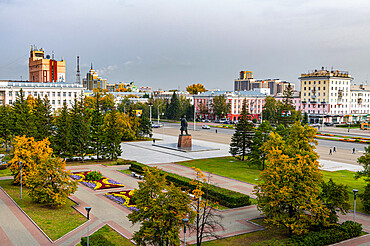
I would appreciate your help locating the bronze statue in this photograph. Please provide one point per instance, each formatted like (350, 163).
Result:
(184, 126)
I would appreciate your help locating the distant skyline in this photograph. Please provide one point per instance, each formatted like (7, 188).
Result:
(171, 44)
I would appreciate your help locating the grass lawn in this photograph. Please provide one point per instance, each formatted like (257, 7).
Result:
(112, 236)
(236, 169)
(54, 222)
(253, 237)
(5, 172)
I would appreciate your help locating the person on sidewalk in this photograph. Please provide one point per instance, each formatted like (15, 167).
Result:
(354, 151)
(330, 152)
(334, 149)
(216, 131)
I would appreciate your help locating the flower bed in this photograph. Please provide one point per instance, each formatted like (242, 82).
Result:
(103, 183)
(123, 198)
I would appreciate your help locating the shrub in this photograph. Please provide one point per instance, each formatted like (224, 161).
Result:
(225, 197)
(96, 240)
(3, 166)
(365, 197)
(93, 175)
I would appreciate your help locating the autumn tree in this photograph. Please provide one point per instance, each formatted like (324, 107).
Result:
(242, 139)
(335, 198)
(206, 220)
(50, 183)
(220, 106)
(195, 89)
(257, 156)
(30, 153)
(288, 191)
(161, 208)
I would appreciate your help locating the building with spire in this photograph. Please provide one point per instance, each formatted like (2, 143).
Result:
(93, 81)
(45, 69)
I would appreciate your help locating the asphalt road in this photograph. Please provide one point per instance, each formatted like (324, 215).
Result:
(321, 142)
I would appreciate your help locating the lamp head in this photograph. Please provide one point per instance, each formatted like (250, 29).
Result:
(88, 212)
(355, 191)
(185, 221)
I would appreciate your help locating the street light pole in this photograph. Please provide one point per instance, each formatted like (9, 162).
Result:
(185, 221)
(88, 219)
(20, 165)
(150, 109)
(195, 109)
(354, 206)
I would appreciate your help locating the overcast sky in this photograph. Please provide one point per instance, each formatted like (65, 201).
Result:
(170, 44)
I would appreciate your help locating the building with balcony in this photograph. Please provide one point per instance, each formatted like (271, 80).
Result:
(326, 96)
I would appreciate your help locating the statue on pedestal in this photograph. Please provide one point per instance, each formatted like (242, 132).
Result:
(184, 126)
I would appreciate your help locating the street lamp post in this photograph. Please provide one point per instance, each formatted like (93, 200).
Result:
(354, 205)
(88, 219)
(185, 221)
(150, 112)
(20, 168)
(195, 109)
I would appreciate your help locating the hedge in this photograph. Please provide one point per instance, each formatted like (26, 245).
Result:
(335, 234)
(96, 240)
(225, 197)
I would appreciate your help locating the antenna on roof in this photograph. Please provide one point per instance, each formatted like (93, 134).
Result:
(78, 75)
(52, 55)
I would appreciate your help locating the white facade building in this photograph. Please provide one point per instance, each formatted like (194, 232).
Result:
(57, 93)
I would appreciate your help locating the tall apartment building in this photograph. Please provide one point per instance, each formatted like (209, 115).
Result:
(246, 82)
(45, 69)
(326, 95)
(93, 81)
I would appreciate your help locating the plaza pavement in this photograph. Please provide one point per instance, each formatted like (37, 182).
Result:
(104, 211)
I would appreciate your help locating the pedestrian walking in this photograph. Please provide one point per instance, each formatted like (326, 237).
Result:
(330, 152)
(153, 140)
(334, 149)
(354, 151)
(216, 131)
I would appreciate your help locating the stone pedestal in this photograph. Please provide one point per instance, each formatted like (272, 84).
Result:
(184, 141)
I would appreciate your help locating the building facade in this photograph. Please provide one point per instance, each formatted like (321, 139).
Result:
(57, 93)
(255, 101)
(93, 81)
(45, 69)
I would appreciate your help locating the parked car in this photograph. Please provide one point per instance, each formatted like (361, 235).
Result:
(156, 125)
(206, 127)
(328, 124)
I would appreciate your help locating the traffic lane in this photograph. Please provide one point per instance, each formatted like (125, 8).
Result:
(341, 145)
(199, 127)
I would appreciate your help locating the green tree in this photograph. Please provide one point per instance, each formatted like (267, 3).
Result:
(80, 129)
(173, 111)
(271, 110)
(112, 135)
(22, 117)
(195, 89)
(257, 156)
(335, 198)
(61, 140)
(364, 160)
(220, 106)
(305, 118)
(96, 128)
(161, 208)
(6, 125)
(124, 105)
(145, 127)
(287, 113)
(242, 139)
(43, 119)
(288, 191)
(50, 183)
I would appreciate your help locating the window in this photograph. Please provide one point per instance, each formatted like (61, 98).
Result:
(1, 93)
(59, 101)
(318, 88)
(41, 94)
(304, 94)
(305, 82)
(53, 94)
(309, 82)
(58, 94)
(10, 94)
(10, 102)
(64, 94)
(35, 94)
(319, 82)
(70, 94)
(48, 93)
(1, 102)
(53, 102)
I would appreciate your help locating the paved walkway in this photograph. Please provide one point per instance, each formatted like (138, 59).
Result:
(104, 211)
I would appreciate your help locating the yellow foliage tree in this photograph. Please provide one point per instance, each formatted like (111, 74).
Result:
(50, 183)
(30, 153)
(288, 193)
(195, 88)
